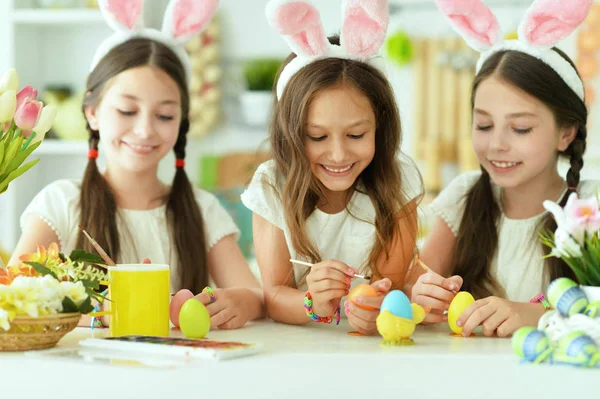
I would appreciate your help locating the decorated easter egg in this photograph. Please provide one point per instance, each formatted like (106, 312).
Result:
(567, 297)
(531, 344)
(398, 304)
(176, 303)
(194, 319)
(362, 290)
(577, 348)
(459, 304)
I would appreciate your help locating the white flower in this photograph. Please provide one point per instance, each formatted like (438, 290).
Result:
(75, 291)
(570, 226)
(565, 245)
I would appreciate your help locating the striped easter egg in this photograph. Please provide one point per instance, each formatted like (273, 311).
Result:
(567, 297)
(531, 344)
(578, 349)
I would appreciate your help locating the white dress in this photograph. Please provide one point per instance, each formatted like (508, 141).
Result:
(58, 205)
(345, 236)
(518, 264)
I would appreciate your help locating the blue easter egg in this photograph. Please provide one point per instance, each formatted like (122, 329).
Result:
(567, 297)
(531, 344)
(398, 304)
(578, 349)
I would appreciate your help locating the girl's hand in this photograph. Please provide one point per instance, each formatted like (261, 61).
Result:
(228, 311)
(363, 320)
(328, 282)
(499, 316)
(434, 291)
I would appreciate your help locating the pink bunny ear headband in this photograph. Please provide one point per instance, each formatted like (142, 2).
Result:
(546, 22)
(183, 20)
(298, 21)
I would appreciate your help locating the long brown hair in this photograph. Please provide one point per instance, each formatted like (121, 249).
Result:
(477, 240)
(381, 179)
(97, 202)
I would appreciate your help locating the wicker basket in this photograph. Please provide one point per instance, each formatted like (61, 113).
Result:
(30, 333)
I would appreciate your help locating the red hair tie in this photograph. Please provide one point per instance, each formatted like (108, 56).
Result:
(179, 163)
(573, 188)
(92, 153)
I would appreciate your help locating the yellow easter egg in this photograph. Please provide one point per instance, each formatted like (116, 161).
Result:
(461, 301)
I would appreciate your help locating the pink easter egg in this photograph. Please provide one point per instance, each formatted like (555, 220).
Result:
(176, 303)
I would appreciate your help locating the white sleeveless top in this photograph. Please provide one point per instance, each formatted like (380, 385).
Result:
(58, 205)
(518, 265)
(345, 236)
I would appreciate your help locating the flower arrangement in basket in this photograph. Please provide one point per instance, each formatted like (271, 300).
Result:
(570, 333)
(43, 298)
(24, 122)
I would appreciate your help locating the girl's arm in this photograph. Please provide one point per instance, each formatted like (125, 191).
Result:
(396, 267)
(229, 270)
(35, 232)
(438, 249)
(284, 302)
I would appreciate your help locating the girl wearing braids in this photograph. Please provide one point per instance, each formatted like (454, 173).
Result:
(137, 105)
(528, 111)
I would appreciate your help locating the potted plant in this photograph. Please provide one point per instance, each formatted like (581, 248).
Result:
(577, 240)
(259, 75)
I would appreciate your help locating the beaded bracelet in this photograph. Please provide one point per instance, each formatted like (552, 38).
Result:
(96, 322)
(309, 312)
(541, 299)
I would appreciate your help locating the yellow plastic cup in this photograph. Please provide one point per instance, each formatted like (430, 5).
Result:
(139, 300)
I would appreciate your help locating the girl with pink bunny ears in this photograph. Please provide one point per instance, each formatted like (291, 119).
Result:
(137, 104)
(528, 110)
(336, 193)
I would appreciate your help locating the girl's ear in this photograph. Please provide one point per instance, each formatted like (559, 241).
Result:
(90, 115)
(567, 135)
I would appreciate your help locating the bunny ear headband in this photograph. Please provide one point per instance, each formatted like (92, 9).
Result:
(183, 20)
(298, 21)
(546, 22)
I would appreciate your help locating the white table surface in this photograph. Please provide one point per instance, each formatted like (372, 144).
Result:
(310, 361)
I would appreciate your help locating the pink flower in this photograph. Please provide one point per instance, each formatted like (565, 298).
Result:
(27, 115)
(583, 213)
(26, 93)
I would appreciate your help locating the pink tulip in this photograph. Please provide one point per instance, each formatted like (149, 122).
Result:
(28, 114)
(26, 93)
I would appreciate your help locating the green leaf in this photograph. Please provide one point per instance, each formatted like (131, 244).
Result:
(91, 284)
(12, 150)
(16, 173)
(79, 255)
(69, 306)
(86, 306)
(41, 269)
(1, 152)
(19, 159)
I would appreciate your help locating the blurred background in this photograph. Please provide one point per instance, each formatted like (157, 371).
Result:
(51, 43)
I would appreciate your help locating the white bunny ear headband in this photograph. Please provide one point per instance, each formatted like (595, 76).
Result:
(183, 20)
(298, 21)
(546, 22)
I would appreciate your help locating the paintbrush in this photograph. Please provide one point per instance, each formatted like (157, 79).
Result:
(427, 269)
(299, 262)
(98, 248)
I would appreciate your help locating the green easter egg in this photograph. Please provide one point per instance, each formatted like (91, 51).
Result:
(567, 297)
(194, 319)
(530, 344)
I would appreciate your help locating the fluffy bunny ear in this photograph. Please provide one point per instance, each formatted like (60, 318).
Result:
(299, 22)
(364, 27)
(185, 19)
(550, 21)
(474, 21)
(123, 15)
